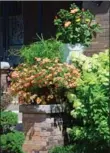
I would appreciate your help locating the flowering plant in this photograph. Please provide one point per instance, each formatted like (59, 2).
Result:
(45, 81)
(75, 26)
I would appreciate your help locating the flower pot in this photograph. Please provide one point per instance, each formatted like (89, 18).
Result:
(43, 127)
(67, 49)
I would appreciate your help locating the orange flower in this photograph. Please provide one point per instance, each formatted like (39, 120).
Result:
(74, 11)
(15, 74)
(32, 77)
(67, 24)
(33, 81)
(20, 92)
(27, 85)
(38, 100)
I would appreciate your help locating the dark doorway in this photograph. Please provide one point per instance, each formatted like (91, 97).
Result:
(11, 26)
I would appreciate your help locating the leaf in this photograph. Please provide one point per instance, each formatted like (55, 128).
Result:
(58, 35)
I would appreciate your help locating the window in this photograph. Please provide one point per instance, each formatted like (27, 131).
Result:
(16, 27)
(11, 23)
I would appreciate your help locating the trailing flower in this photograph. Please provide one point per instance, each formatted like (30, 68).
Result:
(46, 81)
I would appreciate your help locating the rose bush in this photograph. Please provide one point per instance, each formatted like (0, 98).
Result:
(45, 81)
(75, 26)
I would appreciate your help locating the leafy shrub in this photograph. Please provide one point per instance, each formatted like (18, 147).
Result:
(62, 149)
(43, 49)
(12, 142)
(7, 120)
(94, 63)
(90, 102)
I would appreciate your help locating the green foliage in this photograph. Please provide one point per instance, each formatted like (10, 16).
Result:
(42, 49)
(76, 26)
(7, 120)
(12, 142)
(62, 149)
(90, 103)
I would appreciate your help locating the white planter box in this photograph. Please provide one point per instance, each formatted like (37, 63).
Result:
(67, 49)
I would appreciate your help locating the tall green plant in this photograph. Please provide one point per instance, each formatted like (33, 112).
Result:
(41, 49)
(90, 103)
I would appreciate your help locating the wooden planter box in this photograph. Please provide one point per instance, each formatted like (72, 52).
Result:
(43, 127)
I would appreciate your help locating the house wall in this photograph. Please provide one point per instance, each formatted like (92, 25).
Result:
(101, 42)
(1, 39)
(30, 18)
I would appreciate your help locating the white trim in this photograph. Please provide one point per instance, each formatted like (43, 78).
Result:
(15, 111)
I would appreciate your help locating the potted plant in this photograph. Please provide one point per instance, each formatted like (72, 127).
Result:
(75, 28)
(41, 88)
(43, 82)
